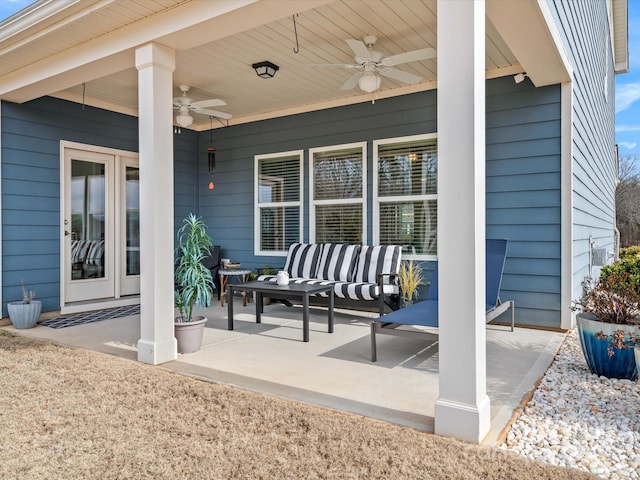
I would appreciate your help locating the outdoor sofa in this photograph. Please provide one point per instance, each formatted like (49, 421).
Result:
(361, 275)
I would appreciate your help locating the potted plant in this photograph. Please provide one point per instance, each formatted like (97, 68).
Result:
(194, 284)
(609, 325)
(25, 313)
(410, 278)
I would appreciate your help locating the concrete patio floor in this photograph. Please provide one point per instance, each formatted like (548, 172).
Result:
(332, 370)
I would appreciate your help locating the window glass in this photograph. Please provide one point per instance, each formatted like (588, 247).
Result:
(406, 199)
(338, 193)
(278, 202)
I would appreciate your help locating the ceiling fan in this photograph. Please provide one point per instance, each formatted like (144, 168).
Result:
(373, 64)
(184, 105)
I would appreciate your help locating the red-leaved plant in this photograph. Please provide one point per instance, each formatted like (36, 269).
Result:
(615, 300)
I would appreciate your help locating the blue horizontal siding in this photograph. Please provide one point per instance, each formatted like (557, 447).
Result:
(584, 28)
(523, 177)
(31, 135)
(523, 188)
(523, 194)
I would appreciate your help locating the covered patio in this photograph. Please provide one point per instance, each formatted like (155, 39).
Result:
(333, 370)
(127, 61)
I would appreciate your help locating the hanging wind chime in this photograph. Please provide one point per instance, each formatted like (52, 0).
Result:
(211, 153)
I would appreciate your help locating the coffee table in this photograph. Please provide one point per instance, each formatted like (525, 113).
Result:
(292, 290)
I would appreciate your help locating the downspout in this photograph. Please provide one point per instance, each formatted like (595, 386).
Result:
(567, 316)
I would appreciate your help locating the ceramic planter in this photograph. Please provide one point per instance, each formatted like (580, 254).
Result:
(24, 315)
(189, 335)
(621, 365)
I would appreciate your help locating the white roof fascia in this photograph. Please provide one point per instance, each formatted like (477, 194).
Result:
(529, 29)
(620, 35)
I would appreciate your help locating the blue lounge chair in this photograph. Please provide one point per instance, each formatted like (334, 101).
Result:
(425, 313)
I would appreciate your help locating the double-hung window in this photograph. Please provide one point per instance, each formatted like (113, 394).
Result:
(278, 202)
(405, 198)
(337, 185)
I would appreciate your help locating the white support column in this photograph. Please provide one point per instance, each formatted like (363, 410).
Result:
(462, 409)
(155, 64)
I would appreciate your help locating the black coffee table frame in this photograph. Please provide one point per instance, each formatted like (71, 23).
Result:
(292, 291)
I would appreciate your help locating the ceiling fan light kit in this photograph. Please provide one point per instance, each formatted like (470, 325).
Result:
(369, 82)
(265, 69)
(184, 119)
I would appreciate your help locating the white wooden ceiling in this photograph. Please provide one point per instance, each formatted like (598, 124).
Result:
(222, 69)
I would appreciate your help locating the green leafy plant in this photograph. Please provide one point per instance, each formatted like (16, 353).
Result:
(630, 252)
(195, 284)
(410, 278)
(626, 270)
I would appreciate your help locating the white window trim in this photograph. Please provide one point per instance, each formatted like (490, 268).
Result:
(362, 200)
(258, 206)
(390, 199)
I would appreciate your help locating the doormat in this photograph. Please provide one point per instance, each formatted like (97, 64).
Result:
(90, 317)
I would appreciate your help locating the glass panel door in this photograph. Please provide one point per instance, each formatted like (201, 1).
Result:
(130, 226)
(88, 226)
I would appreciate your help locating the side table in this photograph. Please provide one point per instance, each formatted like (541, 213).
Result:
(242, 276)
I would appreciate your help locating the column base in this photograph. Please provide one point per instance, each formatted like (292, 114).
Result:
(156, 353)
(469, 423)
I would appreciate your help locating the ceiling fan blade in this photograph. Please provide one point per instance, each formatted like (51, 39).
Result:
(399, 75)
(413, 56)
(213, 102)
(213, 113)
(359, 48)
(352, 82)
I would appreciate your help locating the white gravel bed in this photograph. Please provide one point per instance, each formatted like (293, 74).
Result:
(576, 419)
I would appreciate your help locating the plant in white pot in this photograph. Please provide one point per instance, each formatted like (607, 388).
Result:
(609, 325)
(194, 284)
(25, 313)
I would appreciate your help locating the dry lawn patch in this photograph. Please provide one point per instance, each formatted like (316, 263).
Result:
(69, 413)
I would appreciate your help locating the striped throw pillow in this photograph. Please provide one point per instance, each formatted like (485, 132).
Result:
(375, 260)
(337, 261)
(302, 260)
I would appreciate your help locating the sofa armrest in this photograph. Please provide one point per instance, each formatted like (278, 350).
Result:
(381, 277)
(392, 277)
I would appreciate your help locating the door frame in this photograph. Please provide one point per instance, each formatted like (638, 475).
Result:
(116, 300)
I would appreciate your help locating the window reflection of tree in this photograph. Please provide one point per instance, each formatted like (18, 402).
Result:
(406, 170)
(338, 175)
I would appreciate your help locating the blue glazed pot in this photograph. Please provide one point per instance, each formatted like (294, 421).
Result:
(622, 364)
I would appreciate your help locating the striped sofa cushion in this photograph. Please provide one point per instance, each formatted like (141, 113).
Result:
(375, 260)
(302, 260)
(337, 261)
